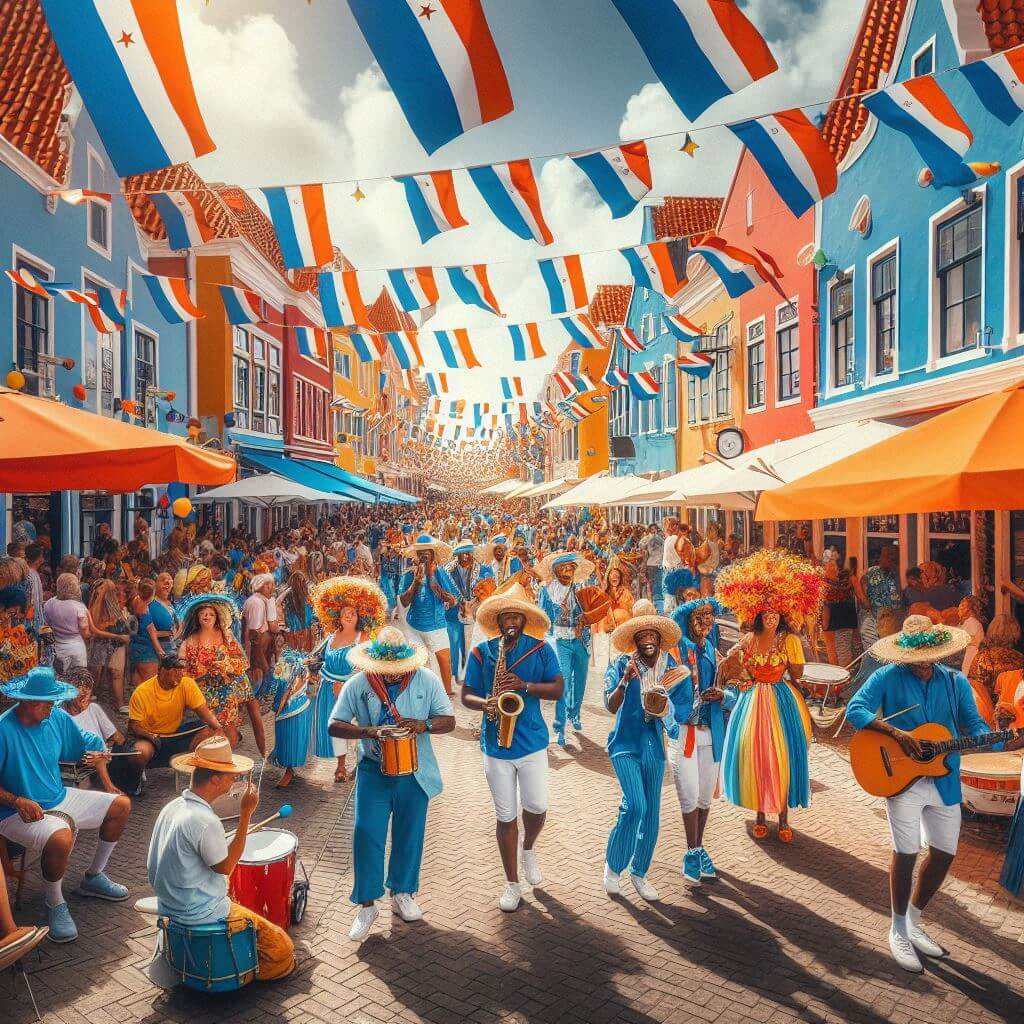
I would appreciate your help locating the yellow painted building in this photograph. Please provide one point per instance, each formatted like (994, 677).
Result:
(356, 394)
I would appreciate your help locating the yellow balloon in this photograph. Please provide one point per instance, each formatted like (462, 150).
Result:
(15, 380)
(181, 507)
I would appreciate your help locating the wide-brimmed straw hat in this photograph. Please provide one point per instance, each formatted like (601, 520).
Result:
(39, 684)
(424, 542)
(464, 547)
(390, 653)
(485, 552)
(216, 755)
(546, 566)
(514, 599)
(645, 619)
(921, 642)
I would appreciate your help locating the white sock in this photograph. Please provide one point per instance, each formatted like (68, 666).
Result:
(101, 856)
(53, 892)
(914, 915)
(899, 923)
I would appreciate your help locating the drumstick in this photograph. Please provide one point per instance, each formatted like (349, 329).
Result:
(284, 811)
(895, 714)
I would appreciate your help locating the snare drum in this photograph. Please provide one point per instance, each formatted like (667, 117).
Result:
(226, 806)
(398, 753)
(264, 878)
(820, 679)
(991, 782)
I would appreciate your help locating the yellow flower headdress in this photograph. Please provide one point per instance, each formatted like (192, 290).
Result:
(772, 580)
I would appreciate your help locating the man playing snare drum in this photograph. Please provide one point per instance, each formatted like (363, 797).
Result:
(190, 859)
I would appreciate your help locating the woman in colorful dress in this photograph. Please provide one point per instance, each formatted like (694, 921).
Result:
(214, 658)
(293, 714)
(997, 657)
(616, 586)
(350, 610)
(17, 648)
(765, 760)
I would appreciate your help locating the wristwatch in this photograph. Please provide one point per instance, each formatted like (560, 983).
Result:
(428, 725)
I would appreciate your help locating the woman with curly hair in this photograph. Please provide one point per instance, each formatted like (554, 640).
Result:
(350, 610)
(299, 618)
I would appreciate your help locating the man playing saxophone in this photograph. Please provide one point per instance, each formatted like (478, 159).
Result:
(516, 662)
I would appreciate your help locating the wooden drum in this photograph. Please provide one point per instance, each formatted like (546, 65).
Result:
(398, 753)
(991, 782)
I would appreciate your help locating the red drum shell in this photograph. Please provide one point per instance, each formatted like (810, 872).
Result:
(263, 878)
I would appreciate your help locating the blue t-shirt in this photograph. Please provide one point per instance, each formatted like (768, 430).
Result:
(541, 666)
(29, 756)
(632, 731)
(426, 611)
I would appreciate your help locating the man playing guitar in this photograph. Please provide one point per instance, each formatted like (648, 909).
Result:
(911, 691)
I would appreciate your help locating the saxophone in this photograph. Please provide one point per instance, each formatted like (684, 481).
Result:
(510, 704)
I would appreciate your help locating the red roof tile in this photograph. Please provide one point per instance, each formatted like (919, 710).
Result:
(386, 316)
(609, 304)
(33, 84)
(680, 216)
(1004, 22)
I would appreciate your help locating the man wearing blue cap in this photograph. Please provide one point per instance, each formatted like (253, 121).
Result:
(427, 591)
(37, 811)
(466, 573)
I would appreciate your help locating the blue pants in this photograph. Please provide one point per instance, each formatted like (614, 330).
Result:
(573, 663)
(635, 833)
(654, 576)
(389, 584)
(457, 645)
(381, 799)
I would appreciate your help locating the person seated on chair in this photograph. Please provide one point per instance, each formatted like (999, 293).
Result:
(15, 940)
(190, 858)
(158, 726)
(35, 805)
(90, 717)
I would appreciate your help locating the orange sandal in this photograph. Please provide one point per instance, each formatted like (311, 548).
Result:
(785, 834)
(760, 831)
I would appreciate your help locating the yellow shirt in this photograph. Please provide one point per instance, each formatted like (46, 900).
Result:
(161, 711)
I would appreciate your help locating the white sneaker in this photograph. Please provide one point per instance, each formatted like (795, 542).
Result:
(363, 923)
(611, 881)
(531, 869)
(511, 897)
(903, 952)
(644, 889)
(922, 941)
(406, 907)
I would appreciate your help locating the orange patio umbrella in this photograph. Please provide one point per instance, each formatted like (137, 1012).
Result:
(47, 446)
(970, 457)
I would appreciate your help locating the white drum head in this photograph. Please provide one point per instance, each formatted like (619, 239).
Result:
(822, 672)
(268, 846)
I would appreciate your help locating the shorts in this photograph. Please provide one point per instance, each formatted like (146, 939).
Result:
(86, 807)
(171, 746)
(530, 773)
(695, 777)
(434, 639)
(918, 817)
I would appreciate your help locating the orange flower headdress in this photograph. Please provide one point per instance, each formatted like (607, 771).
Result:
(772, 580)
(332, 596)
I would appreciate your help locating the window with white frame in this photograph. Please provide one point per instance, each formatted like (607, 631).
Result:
(723, 371)
(958, 269)
(1019, 190)
(98, 213)
(310, 410)
(841, 332)
(257, 380)
(145, 372)
(883, 313)
(670, 390)
(755, 365)
(787, 353)
(924, 61)
(619, 399)
(100, 357)
(32, 330)
(343, 364)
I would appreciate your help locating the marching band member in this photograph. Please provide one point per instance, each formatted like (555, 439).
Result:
(518, 660)
(350, 610)
(562, 572)
(390, 687)
(637, 690)
(465, 573)
(700, 707)
(427, 591)
(496, 556)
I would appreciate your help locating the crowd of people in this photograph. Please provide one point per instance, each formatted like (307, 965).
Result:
(346, 637)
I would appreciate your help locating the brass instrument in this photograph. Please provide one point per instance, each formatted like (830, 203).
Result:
(483, 588)
(510, 704)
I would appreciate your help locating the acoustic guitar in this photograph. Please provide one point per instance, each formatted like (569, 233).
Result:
(882, 769)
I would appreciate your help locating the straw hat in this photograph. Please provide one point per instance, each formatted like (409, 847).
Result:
(424, 542)
(645, 619)
(515, 599)
(391, 653)
(546, 566)
(215, 754)
(484, 553)
(921, 642)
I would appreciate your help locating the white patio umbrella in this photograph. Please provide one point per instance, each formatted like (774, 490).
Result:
(267, 490)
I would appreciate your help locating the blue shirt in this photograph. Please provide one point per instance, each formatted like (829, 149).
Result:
(424, 698)
(945, 699)
(427, 610)
(703, 664)
(631, 732)
(564, 615)
(463, 581)
(30, 756)
(531, 733)
(336, 668)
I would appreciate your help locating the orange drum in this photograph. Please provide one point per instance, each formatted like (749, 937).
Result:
(596, 604)
(398, 754)
(991, 782)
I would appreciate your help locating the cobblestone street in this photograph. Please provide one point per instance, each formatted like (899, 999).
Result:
(787, 933)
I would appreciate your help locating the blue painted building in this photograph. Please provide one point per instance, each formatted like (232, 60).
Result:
(48, 143)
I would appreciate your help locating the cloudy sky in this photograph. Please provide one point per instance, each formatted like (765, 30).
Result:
(291, 94)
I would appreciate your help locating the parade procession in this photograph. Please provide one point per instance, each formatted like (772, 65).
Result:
(513, 511)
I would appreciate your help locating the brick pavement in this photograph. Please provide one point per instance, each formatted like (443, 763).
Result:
(792, 933)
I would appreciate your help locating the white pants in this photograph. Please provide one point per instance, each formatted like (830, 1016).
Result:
(86, 807)
(918, 817)
(530, 773)
(434, 639)
(696, 776)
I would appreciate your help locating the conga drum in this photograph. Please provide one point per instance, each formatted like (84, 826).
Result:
(264, 877)
(991, 782)
(398, 753)
(821, 679)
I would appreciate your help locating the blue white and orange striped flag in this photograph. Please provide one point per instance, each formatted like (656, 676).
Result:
(680, 327)
(406, 347)
(413, 288)
(184, 220)
(997, 80)
(526, 342)
(341, 300)
(127, 60)
(433, 203)
(299, 216)
(620, 175)
(171, 297)
(582, 332)
(456, 351)
(737, 269)
(313, 342)
(511, 192)
(659, 267)
(628, 338)
(473, 287)
(563, 278)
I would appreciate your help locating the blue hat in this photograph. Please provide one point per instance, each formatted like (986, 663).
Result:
(500, 539)
(679, 579)
(563, 559)
(39, 684)
(464, 547)
(682, 614)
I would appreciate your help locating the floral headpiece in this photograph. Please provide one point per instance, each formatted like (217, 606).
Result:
(772, 580)
(334, 595)
(924, 639)
(381, 650)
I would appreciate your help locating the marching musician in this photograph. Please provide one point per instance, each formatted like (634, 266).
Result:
(913, 689)
(465, 573)
(700, 707)
(638, 692)
(496, 556)
(562, 573)
(516, 659)
(391, 687)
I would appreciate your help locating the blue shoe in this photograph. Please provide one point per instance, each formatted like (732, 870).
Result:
(691, 866)
(62, 927)
(102, 888)
(707, 868)
(560, 737)
(577, 724)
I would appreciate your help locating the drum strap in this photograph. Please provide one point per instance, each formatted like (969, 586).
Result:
(381, 693)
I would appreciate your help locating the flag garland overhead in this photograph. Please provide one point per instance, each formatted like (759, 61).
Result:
(997, 81)
(659, 266)
(621, 176)
(511, 192)
(299, 216)
(433, 203)
(171, 297)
